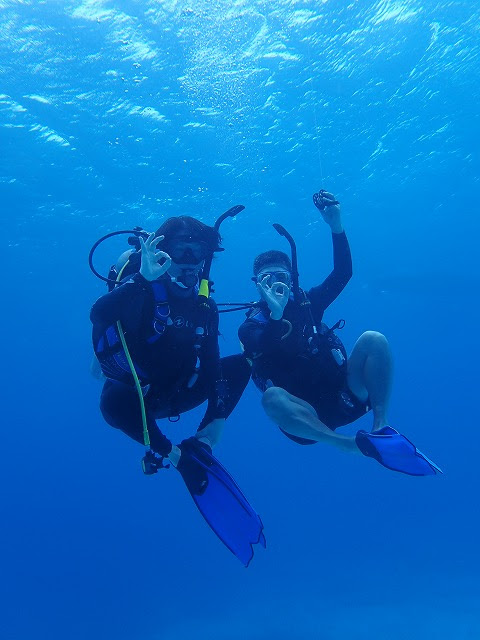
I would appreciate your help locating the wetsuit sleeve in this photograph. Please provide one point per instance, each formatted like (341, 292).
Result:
(322, 296)
(210, 367)
(115, 304)
(260, 335)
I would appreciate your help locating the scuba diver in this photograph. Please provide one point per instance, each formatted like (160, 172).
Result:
(310, 387)
(155, 335)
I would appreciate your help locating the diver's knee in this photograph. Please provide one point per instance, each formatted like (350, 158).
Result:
(272, 398)
(373, 341)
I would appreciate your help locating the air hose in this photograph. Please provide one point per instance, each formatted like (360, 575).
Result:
(138, 386)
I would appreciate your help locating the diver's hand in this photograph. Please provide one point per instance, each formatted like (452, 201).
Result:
(150, 268)
(174, 455)
(329, 207)
(275, 296)
(212, 433)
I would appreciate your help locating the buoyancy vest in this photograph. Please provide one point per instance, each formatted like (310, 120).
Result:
(108, 347)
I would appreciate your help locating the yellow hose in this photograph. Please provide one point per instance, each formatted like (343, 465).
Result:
(146, 436)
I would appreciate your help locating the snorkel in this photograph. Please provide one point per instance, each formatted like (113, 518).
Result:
(204, 291)
(205, 278)
(293, 249)
(299, 295)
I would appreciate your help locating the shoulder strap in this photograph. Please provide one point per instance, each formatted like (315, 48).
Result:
(161, 311)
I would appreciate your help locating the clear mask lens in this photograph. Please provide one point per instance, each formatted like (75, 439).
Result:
(275, 276)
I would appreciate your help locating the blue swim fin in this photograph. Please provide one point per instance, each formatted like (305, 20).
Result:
(220, 500)
(395, 452)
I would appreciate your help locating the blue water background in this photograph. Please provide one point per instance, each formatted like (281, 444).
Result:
(119, 113)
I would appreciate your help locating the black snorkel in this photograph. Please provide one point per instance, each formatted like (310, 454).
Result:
(299, 295)
(293, 250)
(204, 291)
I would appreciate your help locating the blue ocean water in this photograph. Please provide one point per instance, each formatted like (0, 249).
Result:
(115, 113)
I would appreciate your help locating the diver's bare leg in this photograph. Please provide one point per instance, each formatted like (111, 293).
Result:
(298, 418)
(370, 374)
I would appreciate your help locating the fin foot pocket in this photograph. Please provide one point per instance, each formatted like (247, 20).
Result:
(395, 452)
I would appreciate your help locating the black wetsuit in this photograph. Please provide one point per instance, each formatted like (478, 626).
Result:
(164, 353)
(284, 358)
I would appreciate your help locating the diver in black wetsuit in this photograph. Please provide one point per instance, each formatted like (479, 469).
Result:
(309, 385)
(308, 391)
(157, 307)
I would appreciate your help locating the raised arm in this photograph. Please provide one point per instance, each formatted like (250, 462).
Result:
(323, 295)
